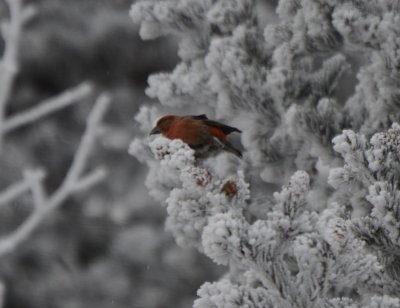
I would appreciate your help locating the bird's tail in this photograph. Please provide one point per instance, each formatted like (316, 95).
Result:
(230, 148)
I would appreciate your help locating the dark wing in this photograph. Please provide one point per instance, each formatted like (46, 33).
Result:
(198, 117)
(225, 128)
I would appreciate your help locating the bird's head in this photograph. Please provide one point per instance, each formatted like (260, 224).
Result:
(163, 124)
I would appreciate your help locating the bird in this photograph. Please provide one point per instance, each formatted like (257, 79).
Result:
(206, 137)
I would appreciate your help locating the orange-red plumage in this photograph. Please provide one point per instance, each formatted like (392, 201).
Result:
(200, 133)
(216, 132)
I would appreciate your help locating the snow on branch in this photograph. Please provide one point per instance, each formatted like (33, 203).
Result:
(373, 168)
(289, 256)
(74, 182)
(195, 191)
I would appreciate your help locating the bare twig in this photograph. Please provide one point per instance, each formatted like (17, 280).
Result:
(34, 179)
(72, 183)
(48, 106)
(89, 180)
(2, 293)
(11, 31)
(19, 188)
(87, 140)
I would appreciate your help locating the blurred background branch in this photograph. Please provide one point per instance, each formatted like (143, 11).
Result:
(11, 31)
(43, 204)
(60, 247)
(68, 97)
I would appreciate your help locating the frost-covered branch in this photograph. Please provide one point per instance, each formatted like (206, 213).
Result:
(73, 182)
(289, 258)
(373, 168)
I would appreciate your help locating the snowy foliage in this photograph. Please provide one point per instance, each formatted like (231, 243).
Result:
(199, 194)
(316, 73)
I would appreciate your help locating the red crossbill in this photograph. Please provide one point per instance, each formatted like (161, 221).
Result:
(201, 134)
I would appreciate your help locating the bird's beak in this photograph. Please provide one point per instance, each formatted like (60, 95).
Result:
(155, 131)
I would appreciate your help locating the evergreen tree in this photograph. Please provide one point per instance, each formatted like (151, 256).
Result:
(316, 72)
